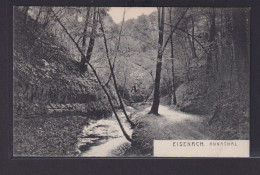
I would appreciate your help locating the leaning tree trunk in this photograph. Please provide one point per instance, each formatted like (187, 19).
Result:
(98, 79)
(156, 99)
(113, 74)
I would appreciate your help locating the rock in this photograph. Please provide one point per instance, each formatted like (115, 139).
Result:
(193, 97)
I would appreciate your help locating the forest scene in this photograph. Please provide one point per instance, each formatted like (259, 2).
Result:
(87, 86)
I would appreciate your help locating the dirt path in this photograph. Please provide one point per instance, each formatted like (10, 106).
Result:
(104, 138)
(169, 125)
(176, 124)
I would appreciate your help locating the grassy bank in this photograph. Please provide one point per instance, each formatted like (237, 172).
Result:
(47, 136)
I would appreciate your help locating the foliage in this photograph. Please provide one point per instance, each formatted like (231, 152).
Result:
(48, 76)
(52, 100)
(47, 136)
(206, 64)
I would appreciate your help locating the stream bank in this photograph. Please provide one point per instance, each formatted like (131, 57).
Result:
(52, 100)
(104, 138)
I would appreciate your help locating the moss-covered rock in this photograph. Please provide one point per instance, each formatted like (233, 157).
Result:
(193, 97)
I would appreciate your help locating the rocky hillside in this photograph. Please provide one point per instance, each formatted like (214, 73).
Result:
(46, 79)
(52, 100)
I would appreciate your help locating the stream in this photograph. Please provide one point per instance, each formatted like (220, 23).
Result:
(104, 138)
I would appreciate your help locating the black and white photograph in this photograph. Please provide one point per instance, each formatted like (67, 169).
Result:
(131, 81)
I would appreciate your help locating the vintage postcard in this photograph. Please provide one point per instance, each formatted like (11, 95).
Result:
(131, 81)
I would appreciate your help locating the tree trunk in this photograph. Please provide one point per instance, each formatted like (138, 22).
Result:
(40, 11)
(173, 95)
(150, 94)
(85, 32)
(187, 58)
(98, 79)
(193, 40)
(212, 33)
(113, 74)
(156, 99)
(91, 42)
(114, 111)
(46, 19)
(161, 48)
(241, 52)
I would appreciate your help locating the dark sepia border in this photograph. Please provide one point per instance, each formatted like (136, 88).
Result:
(19, 166)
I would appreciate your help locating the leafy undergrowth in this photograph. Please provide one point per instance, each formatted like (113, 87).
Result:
(47, 136)
(230, 120)
(224, 103)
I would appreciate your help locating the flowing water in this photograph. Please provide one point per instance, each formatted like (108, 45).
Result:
(104, 138)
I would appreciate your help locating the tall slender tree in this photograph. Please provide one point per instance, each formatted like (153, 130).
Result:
(211, 40)
(91, 40)
(161, 48)
(84, 38)
(156, 98)
(241, 51)
(173, 95)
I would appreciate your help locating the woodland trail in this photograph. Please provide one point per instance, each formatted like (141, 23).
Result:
(173, 124)
(104, 138)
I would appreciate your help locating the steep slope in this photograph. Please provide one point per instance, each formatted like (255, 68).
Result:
(45, 75)
(52, 100)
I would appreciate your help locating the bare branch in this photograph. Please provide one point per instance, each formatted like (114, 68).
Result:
(174, 28)
(98, 79)
(117, 47)
(193, 38)
(112, 70)
(177, 28)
